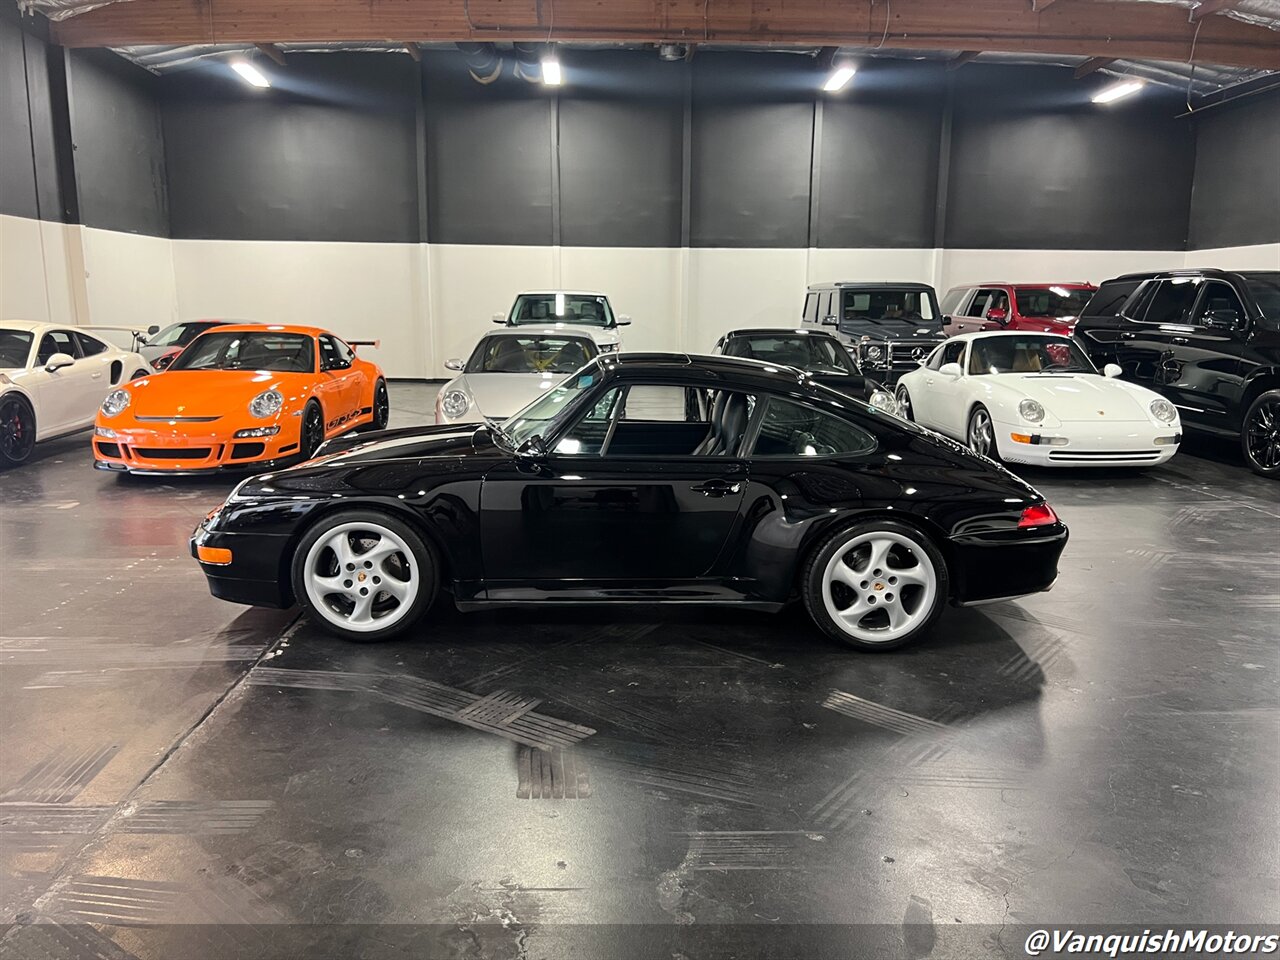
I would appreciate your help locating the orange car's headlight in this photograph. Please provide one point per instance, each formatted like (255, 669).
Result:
(266, 404)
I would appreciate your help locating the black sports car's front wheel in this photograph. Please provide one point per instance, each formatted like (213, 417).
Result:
(1260, 438)
(17, 430)
(364, 575)
(876, 585)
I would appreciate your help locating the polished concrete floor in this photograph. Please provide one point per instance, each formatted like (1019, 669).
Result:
(180, 777)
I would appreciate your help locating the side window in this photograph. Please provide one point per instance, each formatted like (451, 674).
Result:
(345, 353)
(791, 429)
(935, 358)
(1171, 302)
(90, 346)
(981, 300)
(952, 352)
(1221, 300)
(810, 314)
(953, 300)
(828, 309)
(1109, 298)
(999, 301)
(587, 437)
(56, 341)
(331, 354)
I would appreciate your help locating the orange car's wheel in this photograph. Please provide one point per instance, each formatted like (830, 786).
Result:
(381, 405)
(312, 430)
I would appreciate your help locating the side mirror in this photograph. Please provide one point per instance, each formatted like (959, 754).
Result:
(951, 370)
(830, 320)
(998, 315)
(946, 319)
(535, 447)
(58, 361)
(499, 318)
(453, 364)
(153, 330)
(1221, 319)
(162, 363)
(1112, 370)
(622, 320)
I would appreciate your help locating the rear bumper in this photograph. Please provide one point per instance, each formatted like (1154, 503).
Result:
(257, 575)
(1003, 566)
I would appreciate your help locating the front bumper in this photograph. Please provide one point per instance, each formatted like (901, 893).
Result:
(1119, 444)
(191, 449)
(258, 574)
(896, 357)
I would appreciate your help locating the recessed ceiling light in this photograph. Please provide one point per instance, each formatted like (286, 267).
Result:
(1118, 90)
(551, 72)
(839, 78)
(250, 74)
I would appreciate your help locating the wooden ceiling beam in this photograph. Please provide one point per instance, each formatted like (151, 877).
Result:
(1081, 28)
(1093, 65)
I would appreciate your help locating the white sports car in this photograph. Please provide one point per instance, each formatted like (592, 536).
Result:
(509, 368)
(53, 379)
(1035, 398)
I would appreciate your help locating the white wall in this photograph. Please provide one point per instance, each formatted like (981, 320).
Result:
(427, 303)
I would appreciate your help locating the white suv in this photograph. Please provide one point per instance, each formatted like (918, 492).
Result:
(571, 308)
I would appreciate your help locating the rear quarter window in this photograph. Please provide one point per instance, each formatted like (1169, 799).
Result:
(1110, 297)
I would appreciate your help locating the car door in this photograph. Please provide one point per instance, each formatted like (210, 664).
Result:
(1158, 312)
(955, 302)
(934, 407)
(627, 497)
(335, 386)
(69, 396)
(1202, 364)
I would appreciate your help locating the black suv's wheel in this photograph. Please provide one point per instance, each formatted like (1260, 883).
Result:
(364, 575)
(1260, 437)
(875, 585)
(17, 430)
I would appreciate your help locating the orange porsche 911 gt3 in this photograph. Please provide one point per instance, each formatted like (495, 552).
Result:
(240, 396)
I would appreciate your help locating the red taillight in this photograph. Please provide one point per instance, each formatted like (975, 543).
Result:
(1041, 515)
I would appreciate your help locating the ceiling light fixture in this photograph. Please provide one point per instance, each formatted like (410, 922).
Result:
(250, 74)
(839, 78)
(1117, 91)
(551, 71)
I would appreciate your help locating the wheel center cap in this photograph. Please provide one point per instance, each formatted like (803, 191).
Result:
(878, 586)
(360, 577)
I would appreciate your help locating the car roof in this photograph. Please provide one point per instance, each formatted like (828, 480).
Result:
(715, 366)
(1067, 284)
(580, 330)
(777, 332)
(248, 327)
(875, 285)
(1184, 272)
(32, 325)
(983, 334)
(566, 292)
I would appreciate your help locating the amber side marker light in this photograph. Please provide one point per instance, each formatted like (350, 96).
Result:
(222, 556)
(1041, 515)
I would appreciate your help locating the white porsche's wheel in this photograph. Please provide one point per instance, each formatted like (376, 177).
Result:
(982, 433)
(364, 575)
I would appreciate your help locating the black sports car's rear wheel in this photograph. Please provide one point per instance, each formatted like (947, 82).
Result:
(364, 575)
(904, 404)
(1260, 438)
(17, 430)
(312, 430)
(381, 406)
(876, 585)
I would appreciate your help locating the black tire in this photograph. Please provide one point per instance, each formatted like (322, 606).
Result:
(331, 620)
(904, 404)
(381, 405)
(990, 450)
(813, 582)
(1260, 435)
(17, 430)
(137, 374)
(312, 434)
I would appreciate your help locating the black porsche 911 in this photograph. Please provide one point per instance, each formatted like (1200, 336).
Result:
(642, 478)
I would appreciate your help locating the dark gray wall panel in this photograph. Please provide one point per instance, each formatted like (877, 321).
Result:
(28, 165)
(328, 153)
(879, 160)
(1235, 199)
(1034, 164)
(752, 144)
(119, 146)
(488, 157)
(620, 151)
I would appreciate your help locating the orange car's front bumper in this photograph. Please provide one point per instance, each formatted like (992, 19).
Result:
(174, 447)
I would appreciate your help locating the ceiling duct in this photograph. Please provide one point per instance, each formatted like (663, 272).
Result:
(482, 61)
(528, 61)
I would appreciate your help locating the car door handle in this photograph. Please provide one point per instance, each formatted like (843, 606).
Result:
(1181, 340)
(1127, 334)
(717, 488)
(97, 376)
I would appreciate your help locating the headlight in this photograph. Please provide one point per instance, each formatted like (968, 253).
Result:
(872, 351)
(454, 404)
(116, 401)
(258, 432)
(882, 400)
(1031, 411)
(266, 404)
(609, 347)
(1164, 411)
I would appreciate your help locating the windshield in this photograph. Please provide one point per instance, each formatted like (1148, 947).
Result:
(1265, 288)
(15, 347)
(1027, 355)
(814, 354)
(584, 308)
(535, 419)
(903, 306)
(281, 352)
(1051, 301)
(507, 354)
(178, 334)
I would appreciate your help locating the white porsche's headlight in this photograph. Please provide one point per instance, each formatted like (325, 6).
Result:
(115, 402)
(1164, 411)
(883, 400)
(1031, 411)
(454, 404)
(266, 404)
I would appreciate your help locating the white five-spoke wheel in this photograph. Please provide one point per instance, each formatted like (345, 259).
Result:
(876, 585)
(364, 575)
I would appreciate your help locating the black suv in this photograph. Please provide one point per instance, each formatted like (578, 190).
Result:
(888, 328)
(1209, 340)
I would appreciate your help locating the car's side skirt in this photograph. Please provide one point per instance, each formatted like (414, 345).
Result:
(710, 590)
(471, 606)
